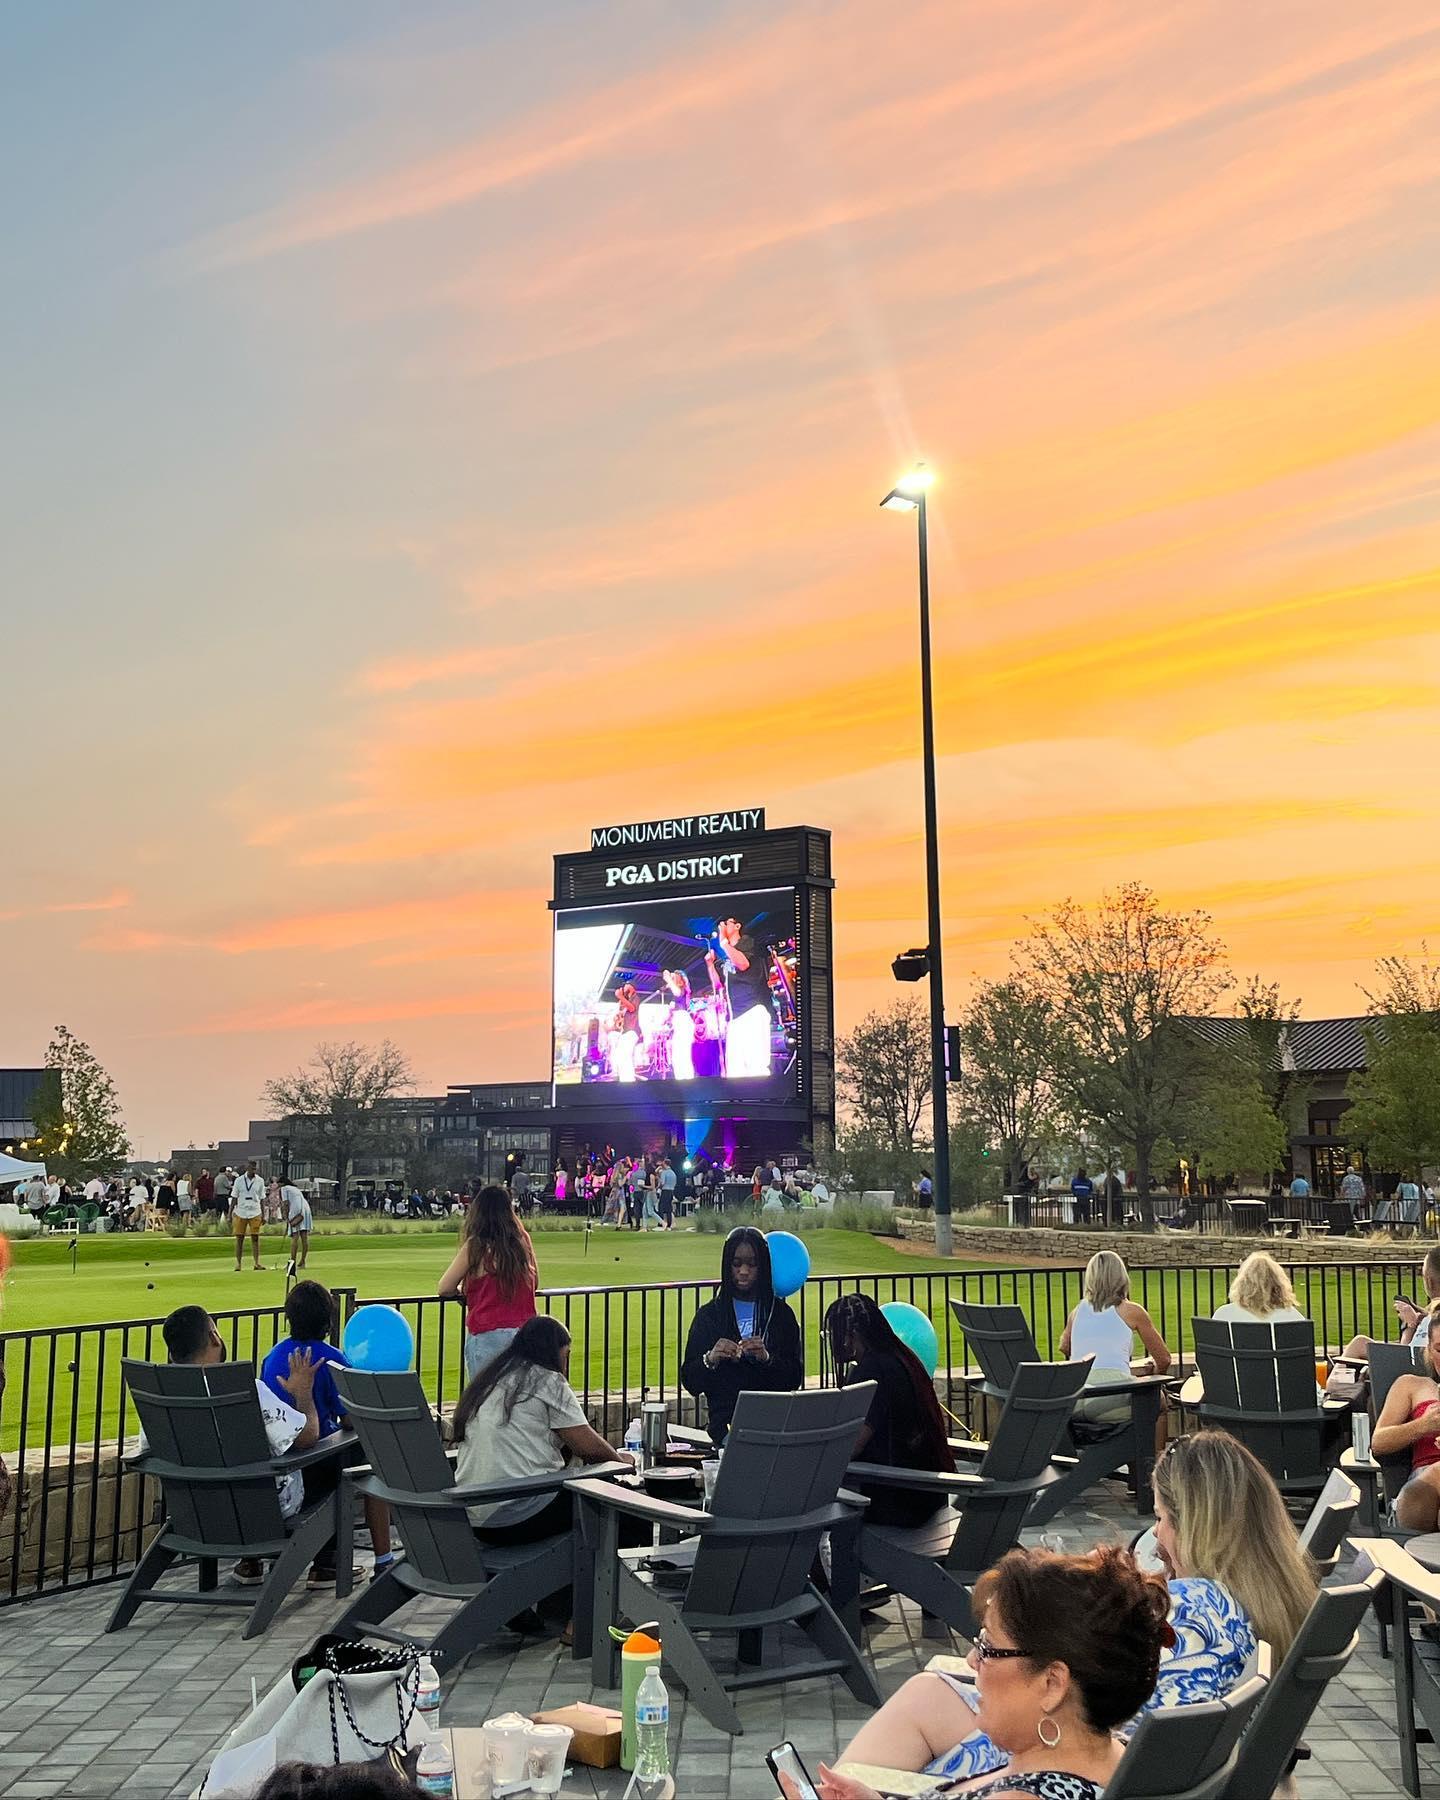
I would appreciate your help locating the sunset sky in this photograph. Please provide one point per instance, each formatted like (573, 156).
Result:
(430, 432)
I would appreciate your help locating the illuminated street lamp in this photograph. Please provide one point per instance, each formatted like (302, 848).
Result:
(908, 495)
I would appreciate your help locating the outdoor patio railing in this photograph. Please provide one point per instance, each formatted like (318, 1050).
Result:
(79, 1517)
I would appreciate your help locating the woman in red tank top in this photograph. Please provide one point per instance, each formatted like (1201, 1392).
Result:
(494, 1273)
(1410, 1420)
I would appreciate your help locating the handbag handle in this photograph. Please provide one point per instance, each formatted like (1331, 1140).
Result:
(402, 1685)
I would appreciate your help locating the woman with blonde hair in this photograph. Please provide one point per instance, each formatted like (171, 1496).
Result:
(1235, 1573)
(1104, 1325)
(1260, 1294)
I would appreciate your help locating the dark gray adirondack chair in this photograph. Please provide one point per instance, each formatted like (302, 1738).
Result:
(1187, 1752)
(1382, 1478)
(1260, 1387)
(1323, 1645)
(444, 1559)
(776, 1494)
(1000, 1339)
(1416, 1664)
(207, 1446)
(938, 1563)
(1330, 1518)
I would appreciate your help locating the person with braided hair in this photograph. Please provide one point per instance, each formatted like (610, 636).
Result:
(904, 1427)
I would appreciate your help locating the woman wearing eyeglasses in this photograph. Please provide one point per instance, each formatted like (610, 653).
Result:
(1068, 1651)
(1235, 1573)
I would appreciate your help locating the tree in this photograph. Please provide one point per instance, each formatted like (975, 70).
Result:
(79, 1130)
(883, 1076)
(1225, 1122)
(427, 1167)
(1008, 1038)
(1394, 1106)
(335, 1108)
(1118, 979)
(1406, 985)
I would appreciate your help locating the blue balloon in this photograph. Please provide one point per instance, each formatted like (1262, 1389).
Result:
(378, 1338)
(915, 1332)
(789, 1263)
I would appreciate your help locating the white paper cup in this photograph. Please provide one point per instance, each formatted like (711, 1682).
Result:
(548, 1746)
(506, 1748)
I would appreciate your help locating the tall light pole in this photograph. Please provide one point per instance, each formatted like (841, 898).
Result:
(908, 495)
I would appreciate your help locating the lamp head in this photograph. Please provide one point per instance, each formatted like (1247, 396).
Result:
(909, 490)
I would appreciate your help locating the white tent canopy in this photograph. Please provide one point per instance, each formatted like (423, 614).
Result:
(11, 1169)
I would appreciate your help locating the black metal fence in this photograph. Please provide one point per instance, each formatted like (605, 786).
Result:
(79, 1517)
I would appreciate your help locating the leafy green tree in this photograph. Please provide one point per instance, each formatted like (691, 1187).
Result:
(1394, 1106)
(1406, 985)
(79, 1130)
(1226, 1124)
(1118, 977)
(340, 1105)
(1009, 1037)
(883, 1076)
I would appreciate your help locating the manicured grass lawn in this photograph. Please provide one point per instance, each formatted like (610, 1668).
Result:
(623, 1340)
(632, 1339)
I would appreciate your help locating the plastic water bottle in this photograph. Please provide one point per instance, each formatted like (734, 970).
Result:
(652, 1739)
(435, 1770)
(427, 1700)
(634, 1438)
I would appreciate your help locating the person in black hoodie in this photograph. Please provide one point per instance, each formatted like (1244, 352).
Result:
(744, 1338)
(904, 1427)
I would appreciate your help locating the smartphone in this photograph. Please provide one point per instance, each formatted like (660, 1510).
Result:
(784, 1760)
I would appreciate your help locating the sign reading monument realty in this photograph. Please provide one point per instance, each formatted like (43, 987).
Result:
(665, 831)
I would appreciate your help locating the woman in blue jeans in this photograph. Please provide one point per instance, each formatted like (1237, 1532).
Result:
(494, 1273)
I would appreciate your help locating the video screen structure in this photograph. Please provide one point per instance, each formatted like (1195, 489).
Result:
(679, 998)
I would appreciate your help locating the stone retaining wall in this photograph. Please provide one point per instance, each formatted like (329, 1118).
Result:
(1156, 1250)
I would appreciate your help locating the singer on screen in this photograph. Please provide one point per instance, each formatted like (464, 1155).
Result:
(746, 976)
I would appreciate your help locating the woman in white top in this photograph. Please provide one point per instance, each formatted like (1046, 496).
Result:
(520, 1417)
(1104, 1325)
(1260, 1294)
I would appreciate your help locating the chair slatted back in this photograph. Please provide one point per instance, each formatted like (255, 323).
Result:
(207, 1418)
(1031, 1430)
(1388, 1362)
(786, 1456)
(1330, 1518)
(1323, 1645)
(402, 1444)
(999, 1338)
(1255, 1374)
(1185, 1752)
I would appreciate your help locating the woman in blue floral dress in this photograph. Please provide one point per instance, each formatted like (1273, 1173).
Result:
(1236, 1574)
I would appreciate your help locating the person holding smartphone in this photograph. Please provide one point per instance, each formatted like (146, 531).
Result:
(745, 1337)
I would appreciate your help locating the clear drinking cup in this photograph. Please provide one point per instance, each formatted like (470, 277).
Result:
(710, 1474)
(507, 1748)
(547, 1747)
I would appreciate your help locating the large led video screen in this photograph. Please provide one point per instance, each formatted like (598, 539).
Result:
(681, 999)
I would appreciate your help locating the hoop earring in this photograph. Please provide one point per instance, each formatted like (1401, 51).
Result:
(1049, 1742)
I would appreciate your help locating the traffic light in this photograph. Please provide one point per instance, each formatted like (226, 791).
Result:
(952, 1052)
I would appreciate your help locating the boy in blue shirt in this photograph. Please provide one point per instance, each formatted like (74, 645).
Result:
(310, 1313)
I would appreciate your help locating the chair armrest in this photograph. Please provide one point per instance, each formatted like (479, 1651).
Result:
(848, 1497)
(1367, 1470)
(1395, 1562)
(930, 1481)
(690, 1519)
(482, 1493)
(336, 1444)
(157, 1466)
(968, 1446)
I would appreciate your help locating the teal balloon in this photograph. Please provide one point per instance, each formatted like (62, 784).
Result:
(915, 1332)
(378, 1338)
(789, 1263)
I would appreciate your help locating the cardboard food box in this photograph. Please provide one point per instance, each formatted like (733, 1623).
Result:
(596, 1742)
